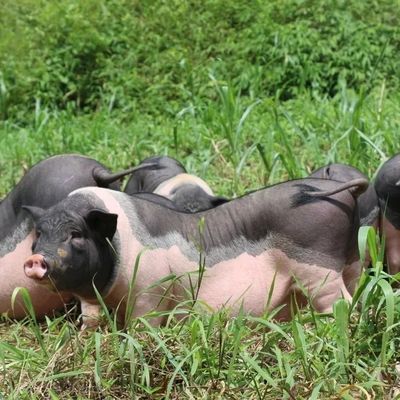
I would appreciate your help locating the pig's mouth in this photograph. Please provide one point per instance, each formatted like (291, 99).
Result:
(49, 284)
(45, 281)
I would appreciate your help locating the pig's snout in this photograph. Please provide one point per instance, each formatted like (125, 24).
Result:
(36, 267)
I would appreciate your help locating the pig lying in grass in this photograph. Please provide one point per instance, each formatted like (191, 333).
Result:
(259, 249)
(44, 185)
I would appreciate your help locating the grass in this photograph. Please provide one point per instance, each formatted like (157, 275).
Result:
(351, 354)
(289, 89)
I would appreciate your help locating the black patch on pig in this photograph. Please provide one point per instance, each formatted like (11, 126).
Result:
(192, 198)
(303, 197)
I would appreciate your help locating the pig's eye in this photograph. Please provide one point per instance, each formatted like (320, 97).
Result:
(76, 235)
(38, 233)
(77, 239)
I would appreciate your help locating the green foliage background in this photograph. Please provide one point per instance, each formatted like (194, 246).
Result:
(157, 55)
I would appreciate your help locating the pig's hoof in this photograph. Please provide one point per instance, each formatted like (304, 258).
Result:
(91, 315)
(89, 323)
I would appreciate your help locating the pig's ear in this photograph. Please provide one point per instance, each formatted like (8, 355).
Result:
(102, 222)
(35, 212)
(327, 172)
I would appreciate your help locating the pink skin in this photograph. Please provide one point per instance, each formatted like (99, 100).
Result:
(392, 246)
(243, 282)
(35, 267)
(12, 276)
(167, 187)
(153, 266)
(246, 282)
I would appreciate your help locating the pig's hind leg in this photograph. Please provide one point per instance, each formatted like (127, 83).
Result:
(321, 285)
(351, 275)
(331, 288)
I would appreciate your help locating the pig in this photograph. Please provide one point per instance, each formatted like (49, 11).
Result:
(187, 192)
(387, 186)
(148, 180)
(368, 209)
(44, 185)
(257, 251)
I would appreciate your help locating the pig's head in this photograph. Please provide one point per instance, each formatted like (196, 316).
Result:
(72, 251)
(387, 186)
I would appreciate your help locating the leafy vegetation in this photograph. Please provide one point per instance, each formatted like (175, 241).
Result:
(245, 94)
(157, 57)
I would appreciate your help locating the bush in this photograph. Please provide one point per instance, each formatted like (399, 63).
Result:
(156, 56)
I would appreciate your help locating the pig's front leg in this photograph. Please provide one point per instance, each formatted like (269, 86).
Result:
(90, 315)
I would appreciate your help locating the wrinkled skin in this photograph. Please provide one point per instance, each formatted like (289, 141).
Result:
(44, 185)
(169, 179)
(292, 237)
(387, 186)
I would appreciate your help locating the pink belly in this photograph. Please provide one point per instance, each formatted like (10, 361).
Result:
(245, 282)
(257, 284)
(12, 275)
